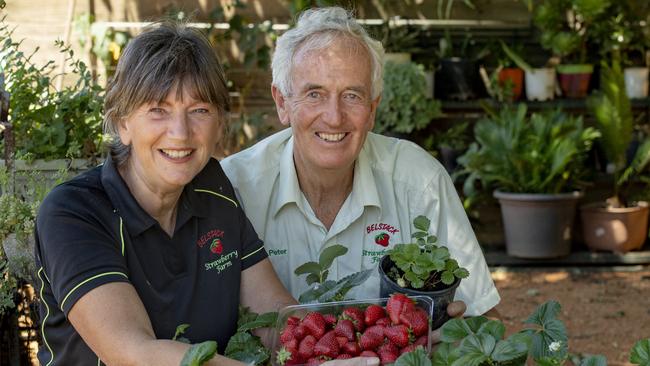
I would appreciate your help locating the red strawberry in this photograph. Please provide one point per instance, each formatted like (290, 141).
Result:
(345, 328)
(287, 334)
(314, 361)
(382, 239)
(343, 356)
(372, 338)
(398, 334)
(417, 321)
(384, 322)
(315, 324)
(357, 317)
(388, 353)
(216, 246)
(351, 348)
(422, 341)
(293, 320)
(398, 303)
(368, 353)
(330, 319)
(306, 347)
(288, 356)
(372, 314)
(342, 341)
(409, 348)
(300, 332)
(328, 345)
(387, 357)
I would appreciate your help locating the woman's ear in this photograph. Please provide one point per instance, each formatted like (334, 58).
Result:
(123, 129)
(281, 105)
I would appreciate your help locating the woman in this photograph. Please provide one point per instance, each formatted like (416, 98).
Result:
(153, 238)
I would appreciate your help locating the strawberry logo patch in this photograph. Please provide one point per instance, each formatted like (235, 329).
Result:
(382, 239)
(216, 247)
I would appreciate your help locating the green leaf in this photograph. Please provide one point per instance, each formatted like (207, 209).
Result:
(312, 278)
(461, 272)
(309, 267)
(544, 313)
(180, 330)
(509, 350)
(414, 358)
(640, 354)
(596, 360)
(419, 234)
(476, 322)
(262, 321)
(494, 328)
(422, 223)
(329, 254)
(245, 347)
(454, 330)
(444, 355)
(199, 353)
(432, 239)
(447, 277)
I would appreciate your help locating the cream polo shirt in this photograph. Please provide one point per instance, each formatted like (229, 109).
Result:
(394, 181)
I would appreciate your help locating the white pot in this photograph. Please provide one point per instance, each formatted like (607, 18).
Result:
(540, 84)
(397, 57)
(636, 82)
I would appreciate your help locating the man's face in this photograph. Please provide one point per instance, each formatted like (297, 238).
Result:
(330, 108)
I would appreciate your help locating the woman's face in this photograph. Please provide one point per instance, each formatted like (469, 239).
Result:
(171, 141)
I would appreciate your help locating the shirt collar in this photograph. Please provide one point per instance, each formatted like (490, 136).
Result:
(134, 217)
(364, 188)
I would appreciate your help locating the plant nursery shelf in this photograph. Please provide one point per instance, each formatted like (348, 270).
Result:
(498, 257)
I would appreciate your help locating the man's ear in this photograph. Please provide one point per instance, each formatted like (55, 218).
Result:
(280, 105)
(373, 111)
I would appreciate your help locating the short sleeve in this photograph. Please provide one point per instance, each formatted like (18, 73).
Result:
(440, 201)
(252, 246)
(78, 248)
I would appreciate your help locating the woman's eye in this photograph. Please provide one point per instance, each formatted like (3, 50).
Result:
(156, 110)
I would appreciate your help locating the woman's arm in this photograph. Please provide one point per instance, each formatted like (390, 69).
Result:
(112, 320)
(262, 292)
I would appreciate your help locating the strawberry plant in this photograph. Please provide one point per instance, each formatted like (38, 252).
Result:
(422, 265)
(322, 289)
(359, 329)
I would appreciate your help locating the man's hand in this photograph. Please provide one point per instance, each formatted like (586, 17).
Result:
(356, 361)
(455, 309)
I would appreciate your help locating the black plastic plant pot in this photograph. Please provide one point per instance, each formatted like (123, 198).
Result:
(441, 298)
(457, 79)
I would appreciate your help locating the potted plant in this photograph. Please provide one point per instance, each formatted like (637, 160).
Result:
(617, 224)
(404, 106)
(422, 268)
(399, 41)
(507, 80)
(565, 27)
(450, 143)
(534, 165)
(457, 76)
(50, 124)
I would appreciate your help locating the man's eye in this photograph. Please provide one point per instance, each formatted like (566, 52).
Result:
(351, 96)
(201, 110)
(313, 94)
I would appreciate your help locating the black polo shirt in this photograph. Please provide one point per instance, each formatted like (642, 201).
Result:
(91, 231)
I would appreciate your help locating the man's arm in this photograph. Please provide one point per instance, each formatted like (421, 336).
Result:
(112, 320)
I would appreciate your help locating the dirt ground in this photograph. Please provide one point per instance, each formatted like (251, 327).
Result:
(606, 310)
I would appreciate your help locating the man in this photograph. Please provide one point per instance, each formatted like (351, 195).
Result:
(329, 180)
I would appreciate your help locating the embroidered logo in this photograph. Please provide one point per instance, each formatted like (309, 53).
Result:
(216, 247)
(382, 239)
(209, 238)
(382, 227)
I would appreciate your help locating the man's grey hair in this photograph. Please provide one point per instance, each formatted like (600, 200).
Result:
(317, 29)
(166, 54)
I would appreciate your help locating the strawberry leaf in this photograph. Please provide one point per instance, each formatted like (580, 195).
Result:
(640, 354)
(455, 330)
(199, 353)
(262, 321)
(329, 254)
(179, 332)
(595, 360)
(422, 223)
(414, 358)
(309, 267)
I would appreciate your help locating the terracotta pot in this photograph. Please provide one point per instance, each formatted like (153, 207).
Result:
(614, 229)
(516, 77)
(574, 80)
(441, 298)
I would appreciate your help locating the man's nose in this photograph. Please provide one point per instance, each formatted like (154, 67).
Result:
(334, 112)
